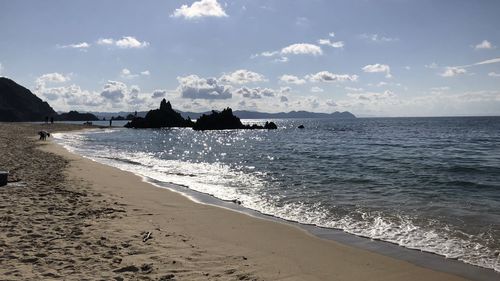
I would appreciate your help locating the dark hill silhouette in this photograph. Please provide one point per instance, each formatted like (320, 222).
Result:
(165, 116)
(76, 116)
(19, 104)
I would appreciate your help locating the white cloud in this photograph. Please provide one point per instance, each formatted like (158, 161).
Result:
(325, 76)
(484, 45)
(126, 42)
(283, 99)
(407, 67)
(54, 77)
(491, 74)
(194, 87)
(372, 96)
(377, 38)
(376, 68)
(452, 71)
(331, 34)
(302, 21)
(127, 74)
(82, 46)
(338, 44)
(130, 42)
(317, 89)
(242, 76)
(291, 79)
(105, 41)
(302, 49)
(200, 9)
(495, 60)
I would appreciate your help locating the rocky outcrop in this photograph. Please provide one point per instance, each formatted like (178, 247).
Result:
(165, 116)
(225, 120)
(76, 116)
(19, 104)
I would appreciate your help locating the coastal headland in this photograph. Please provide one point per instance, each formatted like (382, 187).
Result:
(67, 217)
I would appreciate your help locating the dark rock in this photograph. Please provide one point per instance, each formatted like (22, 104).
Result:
(301, 127)
(165, 116)
(226, 120)
(167, 277)
(19, 104)
(270, 126)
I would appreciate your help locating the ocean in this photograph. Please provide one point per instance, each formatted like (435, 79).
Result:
(431, 184)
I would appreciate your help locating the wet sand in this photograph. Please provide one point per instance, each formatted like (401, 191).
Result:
(66, 217)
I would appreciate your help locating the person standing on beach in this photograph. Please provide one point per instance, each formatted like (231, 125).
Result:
(110, 121)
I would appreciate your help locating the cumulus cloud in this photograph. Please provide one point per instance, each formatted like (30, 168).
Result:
(452, 71)
(82, 46)
(54, 77)
(255, 93)
(242, 76)
(291, 79)
(145, 73)
(114, 91)
(331, 34)
(377, 38)
(328, 42)
(484, 45)
(158, 94)
(491, 74)
(200, 9)
(325, 76)
(194, 87)
(317, 90)
(376, 68)
(302, 49)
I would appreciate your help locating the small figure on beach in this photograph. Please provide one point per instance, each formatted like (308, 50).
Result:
(43, 135)
(110, 121)
(51, 120)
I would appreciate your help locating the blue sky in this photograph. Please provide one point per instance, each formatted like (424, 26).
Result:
(373, 58)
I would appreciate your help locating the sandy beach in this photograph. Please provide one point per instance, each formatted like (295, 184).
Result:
(64, 217)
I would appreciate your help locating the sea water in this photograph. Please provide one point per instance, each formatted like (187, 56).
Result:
(431, 184)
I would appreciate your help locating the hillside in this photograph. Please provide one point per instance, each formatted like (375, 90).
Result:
(19, 104)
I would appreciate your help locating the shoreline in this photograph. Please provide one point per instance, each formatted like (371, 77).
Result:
(329, 234)
(418, 257)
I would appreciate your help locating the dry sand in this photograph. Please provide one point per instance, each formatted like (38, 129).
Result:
(69, 218)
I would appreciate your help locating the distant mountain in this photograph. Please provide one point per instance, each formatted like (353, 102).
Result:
(76, 116)
(19, 104)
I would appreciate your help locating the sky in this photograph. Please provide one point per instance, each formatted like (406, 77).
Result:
(372, 58)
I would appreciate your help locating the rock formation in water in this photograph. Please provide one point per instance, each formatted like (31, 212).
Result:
(19, 104)
(165, 116)
(225, 120)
